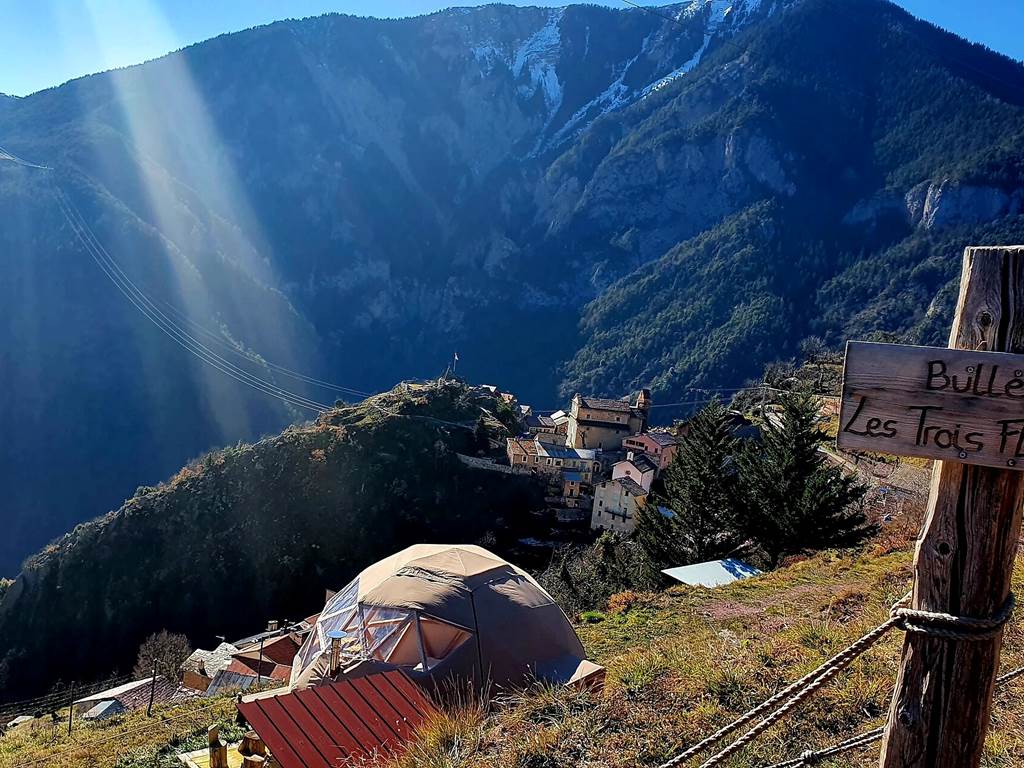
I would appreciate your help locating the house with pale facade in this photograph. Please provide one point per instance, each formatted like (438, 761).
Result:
(615, 505)
(658, 445)
(601, 423)
(636, 467)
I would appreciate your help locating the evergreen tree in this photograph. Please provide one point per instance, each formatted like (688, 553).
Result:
(480, 438)
(794, 500)
(700, 488)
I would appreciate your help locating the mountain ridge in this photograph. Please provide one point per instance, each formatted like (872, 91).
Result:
(357, 199)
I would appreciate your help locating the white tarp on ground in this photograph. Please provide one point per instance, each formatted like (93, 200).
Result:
(713, 573)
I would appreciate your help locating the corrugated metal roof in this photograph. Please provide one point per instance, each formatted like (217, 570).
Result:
(713, 573)
(321, 726)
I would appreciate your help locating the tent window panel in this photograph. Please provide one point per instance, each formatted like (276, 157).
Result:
(381, 624)
(311, 651)
(402, 648)
(440, 638)
(343, 601)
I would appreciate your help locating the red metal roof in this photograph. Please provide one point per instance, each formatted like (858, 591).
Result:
(326, 725)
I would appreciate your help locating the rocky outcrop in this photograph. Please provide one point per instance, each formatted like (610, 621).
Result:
(935, 205)
(950, 203)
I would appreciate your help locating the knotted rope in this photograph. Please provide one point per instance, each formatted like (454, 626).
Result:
(935, 624)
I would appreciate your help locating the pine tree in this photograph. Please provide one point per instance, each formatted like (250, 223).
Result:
(480, 439)
(794, 499)
(700, 489)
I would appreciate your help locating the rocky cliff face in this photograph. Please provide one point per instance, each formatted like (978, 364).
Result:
(950, 203)
(353, 200)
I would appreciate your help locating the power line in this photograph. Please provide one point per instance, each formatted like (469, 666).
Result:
(219, 340)
(653, 12)
(5, 155)
(149, 310)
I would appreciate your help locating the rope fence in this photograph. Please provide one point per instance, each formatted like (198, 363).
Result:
(935, 624)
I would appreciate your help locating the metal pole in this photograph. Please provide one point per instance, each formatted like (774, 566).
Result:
(71, 708)
(259, 666)
(152, 691)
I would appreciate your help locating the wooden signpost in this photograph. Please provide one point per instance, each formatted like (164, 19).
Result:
(965, 407)
(945, 404)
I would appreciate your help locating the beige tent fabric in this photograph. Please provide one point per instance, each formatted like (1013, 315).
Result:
(477, 617)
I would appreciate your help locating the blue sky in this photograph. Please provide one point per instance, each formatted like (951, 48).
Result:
(47, 42)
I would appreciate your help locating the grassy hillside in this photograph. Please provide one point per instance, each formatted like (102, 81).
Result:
(258, 531)
(680, 664)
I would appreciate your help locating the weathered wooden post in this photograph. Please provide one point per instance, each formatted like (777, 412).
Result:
(964, 559)
(218, 750)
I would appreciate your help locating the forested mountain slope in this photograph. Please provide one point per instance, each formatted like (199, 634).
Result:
(578, 198)
(259, 530)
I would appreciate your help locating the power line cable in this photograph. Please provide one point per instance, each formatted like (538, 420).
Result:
(142, 302)
(219, 339)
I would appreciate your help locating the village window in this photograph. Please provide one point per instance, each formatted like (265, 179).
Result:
(558, 462)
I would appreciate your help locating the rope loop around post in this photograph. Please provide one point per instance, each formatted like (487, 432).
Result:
(949, 627)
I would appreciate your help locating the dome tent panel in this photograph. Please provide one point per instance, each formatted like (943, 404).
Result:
(521, 627)
(441, 613)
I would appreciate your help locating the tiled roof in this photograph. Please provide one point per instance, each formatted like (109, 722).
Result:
(643, 462)
(518, 445)
(340, 723)
(118, 692)
(604, 404)
(300, 627)
(631, 486)
(663, 438)
(240, 674)
(135, 695)
(281, 649)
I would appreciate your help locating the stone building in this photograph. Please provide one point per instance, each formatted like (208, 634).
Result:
(615, 505)
(596, 422)
(532, 454)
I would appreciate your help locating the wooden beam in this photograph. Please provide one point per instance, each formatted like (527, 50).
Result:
(964, 559)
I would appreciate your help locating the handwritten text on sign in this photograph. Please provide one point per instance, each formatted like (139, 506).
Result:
(938, 403)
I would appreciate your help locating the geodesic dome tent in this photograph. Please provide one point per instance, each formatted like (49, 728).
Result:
(443, 613)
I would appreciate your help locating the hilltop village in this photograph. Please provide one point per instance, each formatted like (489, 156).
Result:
(601, 456)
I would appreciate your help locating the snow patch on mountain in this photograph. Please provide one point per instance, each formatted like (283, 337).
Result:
(488, 55)
(718, 11)
(538, 58)
(616, 95)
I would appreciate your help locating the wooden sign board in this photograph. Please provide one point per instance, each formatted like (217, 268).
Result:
(933, 402)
